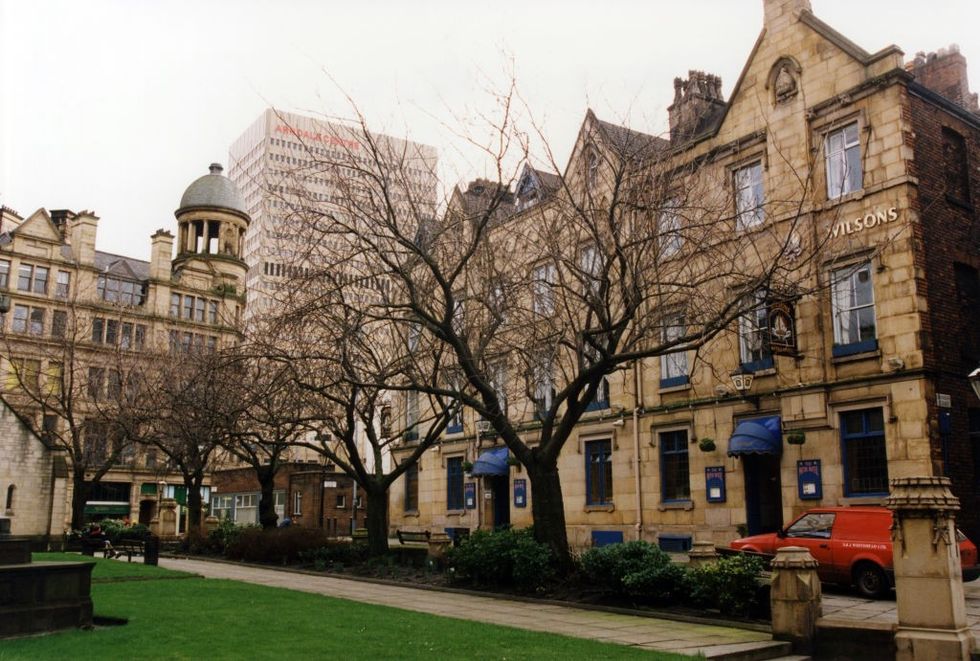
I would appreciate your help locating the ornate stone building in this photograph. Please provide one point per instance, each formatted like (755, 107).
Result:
(812, 399)
(74, 314)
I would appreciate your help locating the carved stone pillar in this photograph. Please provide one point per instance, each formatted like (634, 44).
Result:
(928, 581)
(702, 553)
(795, 597)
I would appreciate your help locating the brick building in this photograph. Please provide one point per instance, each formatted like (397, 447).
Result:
(874, 385)
(310, 494)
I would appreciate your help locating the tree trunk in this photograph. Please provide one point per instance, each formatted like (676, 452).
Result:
(377, 521)
(79, 496)
(267, 503)
(548, 511)
(194, 504)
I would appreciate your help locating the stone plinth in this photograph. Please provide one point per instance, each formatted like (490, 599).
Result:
(439, 543)
(45, 596)
(795, 597)
(15, 550)
(932, 620)
(702, 553)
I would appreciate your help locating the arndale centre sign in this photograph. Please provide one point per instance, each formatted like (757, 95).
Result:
(866, 222)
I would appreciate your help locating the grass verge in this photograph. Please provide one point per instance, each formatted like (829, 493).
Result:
(113, 569)
(217, 619)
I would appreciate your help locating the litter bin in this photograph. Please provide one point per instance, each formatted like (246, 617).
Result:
(458, 535)
(151, 550)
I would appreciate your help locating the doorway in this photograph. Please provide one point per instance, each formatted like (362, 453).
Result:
(500, 488)
(763, 493)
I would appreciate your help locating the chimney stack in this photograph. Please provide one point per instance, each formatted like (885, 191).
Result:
(161, 254)
(697, 104)
(944, 72)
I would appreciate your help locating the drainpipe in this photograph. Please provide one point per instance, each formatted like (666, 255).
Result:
(637, 403)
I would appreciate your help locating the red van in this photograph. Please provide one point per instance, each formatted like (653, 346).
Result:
(852, 544)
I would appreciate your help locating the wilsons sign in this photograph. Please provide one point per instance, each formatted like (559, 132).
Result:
(866, 222)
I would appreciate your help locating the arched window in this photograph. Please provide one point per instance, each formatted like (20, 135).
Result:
(10, 498)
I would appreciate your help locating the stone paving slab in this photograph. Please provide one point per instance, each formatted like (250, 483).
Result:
(646, 632)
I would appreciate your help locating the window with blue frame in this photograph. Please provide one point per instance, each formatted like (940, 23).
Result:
(598, 473)
(454, 483)
(753, 335)
(863, 449)
(675, 476)
(853, 301)
(601, 399)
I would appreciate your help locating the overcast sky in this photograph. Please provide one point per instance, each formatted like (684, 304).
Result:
(118, 106)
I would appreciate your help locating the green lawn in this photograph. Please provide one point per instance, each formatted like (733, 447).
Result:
(195, 618)
(110, 570)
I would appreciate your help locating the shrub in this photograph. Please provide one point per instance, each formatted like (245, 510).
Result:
(647, 566)
(223, 535)
(278, 545)
(117, 530)
(658, 584)
(504, 558)
(331, 553)
(731, 585)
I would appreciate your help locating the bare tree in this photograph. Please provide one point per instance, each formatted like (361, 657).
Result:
(349, 367)
(274, 416)
(186, 404)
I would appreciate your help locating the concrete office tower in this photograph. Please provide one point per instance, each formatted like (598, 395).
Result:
(297, 171)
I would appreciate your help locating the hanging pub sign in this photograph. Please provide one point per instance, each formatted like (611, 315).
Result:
(782, 329)
(714, 482)
(520, 493)
(469, 495)
(808, 479)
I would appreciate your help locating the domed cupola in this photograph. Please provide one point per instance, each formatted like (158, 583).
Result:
(212, 218)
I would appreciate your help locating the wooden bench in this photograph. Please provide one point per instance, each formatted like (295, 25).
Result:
(130, 547)
(413, 536)
(359, 535)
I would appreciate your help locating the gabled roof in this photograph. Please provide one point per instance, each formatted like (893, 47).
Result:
(38, 225)
(626, 140)
(125, 267)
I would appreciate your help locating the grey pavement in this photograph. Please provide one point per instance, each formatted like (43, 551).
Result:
(840, 605)
(642, 632)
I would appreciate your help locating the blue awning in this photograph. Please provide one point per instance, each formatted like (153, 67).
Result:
(491, 462)
(757, 436)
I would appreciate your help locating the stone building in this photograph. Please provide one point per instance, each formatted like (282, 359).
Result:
(812, 399)
(75, 315)
(33, 479)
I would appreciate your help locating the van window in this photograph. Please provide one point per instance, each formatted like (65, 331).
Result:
(816, 524)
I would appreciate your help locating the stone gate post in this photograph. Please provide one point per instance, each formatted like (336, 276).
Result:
(928, 581)
(795, 597)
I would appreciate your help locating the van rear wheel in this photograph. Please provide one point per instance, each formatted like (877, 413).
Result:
(871, 580)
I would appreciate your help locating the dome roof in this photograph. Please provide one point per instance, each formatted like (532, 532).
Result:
(214, 190)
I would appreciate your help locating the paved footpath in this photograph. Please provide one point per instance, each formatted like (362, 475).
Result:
(642, 632)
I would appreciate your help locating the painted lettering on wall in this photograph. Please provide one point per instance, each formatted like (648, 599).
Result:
(866, 222)
(318, 137)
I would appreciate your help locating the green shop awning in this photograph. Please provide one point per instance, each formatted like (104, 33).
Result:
(121, 508)
(180, 495)
(148, 488)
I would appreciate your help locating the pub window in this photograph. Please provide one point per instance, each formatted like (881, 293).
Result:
(175, 305)
(4, 272)
(753, 335)
(865, 457)
(748, 195)
(673, 366)
(454, 483)
(675, 476)
(32, 279)
(852, 297)
(669, 229)
(62, 284)
(598, 473)
(842, 152)
(412, 488)
(59, 323)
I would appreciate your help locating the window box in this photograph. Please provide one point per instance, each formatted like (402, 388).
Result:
(756, 366)
(675, 381)
(853, 348)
